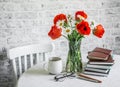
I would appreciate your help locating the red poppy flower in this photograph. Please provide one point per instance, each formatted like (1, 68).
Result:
(83, 28)
(59, 17)
(98, 31)
(55, 32)
(81, 13)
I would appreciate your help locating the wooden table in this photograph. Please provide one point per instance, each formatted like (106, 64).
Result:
(37, 77)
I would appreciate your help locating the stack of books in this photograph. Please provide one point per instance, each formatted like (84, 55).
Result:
(100, 62)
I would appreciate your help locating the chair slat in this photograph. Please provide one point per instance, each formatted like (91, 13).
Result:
(15, 68)
(25, 65)
(41, 57)
(31, 60)
(20, 66)
(38, 57)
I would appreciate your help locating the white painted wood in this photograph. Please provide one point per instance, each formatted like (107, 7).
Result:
(41, 56)
(38, 48)
(20, 67)
(38, 57)
(31, 60)
(15, 69)
(25, 58)
(28, 50)
(38, 77)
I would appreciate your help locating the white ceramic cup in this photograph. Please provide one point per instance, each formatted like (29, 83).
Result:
(54, 65)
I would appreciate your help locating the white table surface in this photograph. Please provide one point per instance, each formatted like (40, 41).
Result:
(37, 77)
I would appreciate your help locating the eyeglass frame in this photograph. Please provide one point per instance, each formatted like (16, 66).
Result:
(64, 75)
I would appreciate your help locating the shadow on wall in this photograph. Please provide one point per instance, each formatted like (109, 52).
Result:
(7, 77)
(3, 53)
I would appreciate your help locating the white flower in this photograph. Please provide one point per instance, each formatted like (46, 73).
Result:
(60, 23)
(93, 24)
(80, 17)
(67, 31)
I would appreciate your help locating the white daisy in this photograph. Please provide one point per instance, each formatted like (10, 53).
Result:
(93, 24)
(67, 31)
(80, 17)
(60, 23)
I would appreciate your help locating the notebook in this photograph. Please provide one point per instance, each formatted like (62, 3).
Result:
(98, 66)
(109, 61)
(96, 73)
(96, 70)
(99, 54)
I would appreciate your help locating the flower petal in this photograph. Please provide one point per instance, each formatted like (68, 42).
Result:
(55, 32)
(98, 31)
(83, 28)
(59, 17)
(80, 14)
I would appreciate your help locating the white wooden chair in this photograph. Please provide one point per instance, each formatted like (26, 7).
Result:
(26, 56)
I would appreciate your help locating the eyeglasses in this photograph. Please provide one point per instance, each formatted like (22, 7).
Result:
(61, 77)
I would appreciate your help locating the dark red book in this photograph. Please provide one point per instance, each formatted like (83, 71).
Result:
(109, 61)
(102, 50)
(99, 54)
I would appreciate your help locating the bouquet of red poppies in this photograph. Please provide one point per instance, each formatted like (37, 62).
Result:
(74, 27)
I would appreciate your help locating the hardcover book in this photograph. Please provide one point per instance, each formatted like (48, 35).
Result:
(99, 54)
(96, 73)
(98, 66)
(109, 61)
(102, 50)
(97, 70)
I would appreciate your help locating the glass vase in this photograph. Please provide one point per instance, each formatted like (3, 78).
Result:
(74, 59)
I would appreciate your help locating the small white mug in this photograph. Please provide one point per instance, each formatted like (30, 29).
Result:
(55, 65)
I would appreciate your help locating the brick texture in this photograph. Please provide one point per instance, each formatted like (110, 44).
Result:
(28, 21)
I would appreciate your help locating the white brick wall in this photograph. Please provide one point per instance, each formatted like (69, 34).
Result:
(27, 21)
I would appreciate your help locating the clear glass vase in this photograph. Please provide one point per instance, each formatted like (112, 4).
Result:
(74, 59)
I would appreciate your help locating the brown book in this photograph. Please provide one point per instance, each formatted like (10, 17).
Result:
(102, 50)
(109, 61)
(99, 54)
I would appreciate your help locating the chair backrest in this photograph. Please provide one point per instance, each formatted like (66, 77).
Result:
(26, 56)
